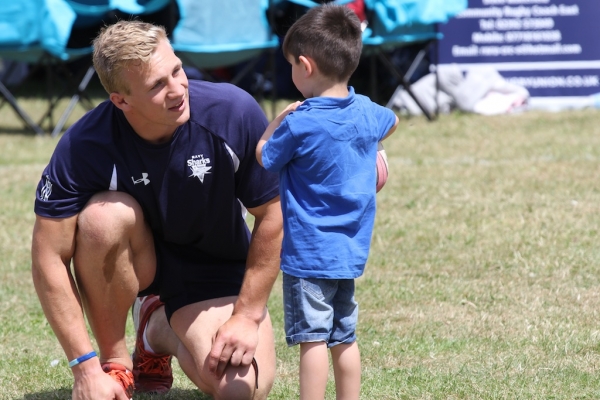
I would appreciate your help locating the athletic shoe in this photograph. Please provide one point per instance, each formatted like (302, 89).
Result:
(122, 375)
(152, 372)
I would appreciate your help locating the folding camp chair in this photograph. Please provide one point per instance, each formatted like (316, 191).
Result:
(212, 34)
(398, 23)
(59, 21)
(37, 32)
(392, 24)
(69, 16)
(20, 41)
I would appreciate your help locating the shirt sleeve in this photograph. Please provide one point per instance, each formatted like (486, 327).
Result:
(385, 119)
(70, 179)
(280, 148)
(254, 184)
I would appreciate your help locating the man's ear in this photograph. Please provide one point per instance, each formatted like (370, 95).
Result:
(119, 101)
(309, 65)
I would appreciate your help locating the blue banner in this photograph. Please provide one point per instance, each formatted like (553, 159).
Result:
(550, 47)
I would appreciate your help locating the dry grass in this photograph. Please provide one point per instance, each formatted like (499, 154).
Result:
(482, 282)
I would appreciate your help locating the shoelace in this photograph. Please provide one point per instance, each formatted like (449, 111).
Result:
(122, 378)
(158, 365)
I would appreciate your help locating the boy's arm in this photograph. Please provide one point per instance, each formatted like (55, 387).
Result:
(273, 125)
(392, 129)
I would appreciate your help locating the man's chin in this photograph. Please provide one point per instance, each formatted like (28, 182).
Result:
(184, 117)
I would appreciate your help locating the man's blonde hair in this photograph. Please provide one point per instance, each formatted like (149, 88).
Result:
(122, 45)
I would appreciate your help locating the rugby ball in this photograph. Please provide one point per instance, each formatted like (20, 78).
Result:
(382, 167)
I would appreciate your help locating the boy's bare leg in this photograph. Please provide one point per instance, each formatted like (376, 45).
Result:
(314, 370)
(347, 371)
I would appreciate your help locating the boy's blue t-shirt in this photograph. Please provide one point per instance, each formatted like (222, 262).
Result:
(325, 153)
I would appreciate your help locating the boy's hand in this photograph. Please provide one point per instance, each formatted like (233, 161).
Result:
(271, 128)
(290, 107)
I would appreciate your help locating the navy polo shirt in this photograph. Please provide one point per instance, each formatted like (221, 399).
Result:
(192, 189)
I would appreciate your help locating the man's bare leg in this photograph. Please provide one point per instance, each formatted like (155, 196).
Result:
(114, 259)
(196, 324)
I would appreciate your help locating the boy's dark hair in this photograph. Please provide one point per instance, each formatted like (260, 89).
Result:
(329, 34)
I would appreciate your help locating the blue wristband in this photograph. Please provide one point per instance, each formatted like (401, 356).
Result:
(81, 359)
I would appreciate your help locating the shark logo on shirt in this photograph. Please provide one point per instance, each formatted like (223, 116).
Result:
(199, 166)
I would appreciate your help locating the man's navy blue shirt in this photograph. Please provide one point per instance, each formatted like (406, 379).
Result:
(191, 189)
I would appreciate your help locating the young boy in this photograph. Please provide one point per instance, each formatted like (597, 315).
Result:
(325, 152)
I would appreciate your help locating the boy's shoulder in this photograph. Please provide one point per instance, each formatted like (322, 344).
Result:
(315, 112)
(318, 108)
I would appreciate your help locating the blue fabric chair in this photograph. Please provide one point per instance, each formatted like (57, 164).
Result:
(398, 23)
(62, 17)
(407, 21)
(212, 34)
(89, 12)
(20, 41)
(59, 19)
(39, 32)
(392, 24)
(139, 7)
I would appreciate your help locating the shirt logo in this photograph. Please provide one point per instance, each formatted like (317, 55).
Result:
(199, 166)
(46, 190)
(144, 179)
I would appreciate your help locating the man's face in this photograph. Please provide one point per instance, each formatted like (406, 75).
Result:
(158, 101)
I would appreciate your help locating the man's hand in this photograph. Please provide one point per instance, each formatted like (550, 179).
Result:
(234, 343)
(97, 385)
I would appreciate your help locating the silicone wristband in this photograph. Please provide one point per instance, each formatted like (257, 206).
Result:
(81, 359)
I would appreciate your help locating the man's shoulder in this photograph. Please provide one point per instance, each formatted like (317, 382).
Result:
(92, 137)
(94, 124)
(220, 94)
(225, 110)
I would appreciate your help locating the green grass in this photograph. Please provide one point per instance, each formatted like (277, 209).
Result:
(482, 282)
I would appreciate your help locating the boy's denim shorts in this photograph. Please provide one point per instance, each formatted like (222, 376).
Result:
(319, 310)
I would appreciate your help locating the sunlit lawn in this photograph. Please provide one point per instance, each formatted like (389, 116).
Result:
(482, 281)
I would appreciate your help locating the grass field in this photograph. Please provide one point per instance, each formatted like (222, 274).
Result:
(483, 280)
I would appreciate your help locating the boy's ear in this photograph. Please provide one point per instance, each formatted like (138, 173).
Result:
(309, 65)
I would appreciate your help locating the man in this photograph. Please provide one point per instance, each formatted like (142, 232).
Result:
(145, 195)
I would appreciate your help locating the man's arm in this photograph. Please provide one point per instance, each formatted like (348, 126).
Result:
(53, 245)
(236, 340)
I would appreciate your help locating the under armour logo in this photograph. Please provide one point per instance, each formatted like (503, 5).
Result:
(144, 179)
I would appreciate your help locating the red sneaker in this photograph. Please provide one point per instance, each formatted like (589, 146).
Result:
(152, 372)
(122, 375)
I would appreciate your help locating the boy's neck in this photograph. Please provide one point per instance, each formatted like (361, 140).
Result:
(327, 88)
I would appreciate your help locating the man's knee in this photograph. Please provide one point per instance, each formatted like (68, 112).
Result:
(194, 324)
(107, 218)
(245, 383)
(112, 228)
(256, 381)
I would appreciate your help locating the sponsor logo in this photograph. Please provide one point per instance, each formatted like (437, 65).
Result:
(46, 190)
